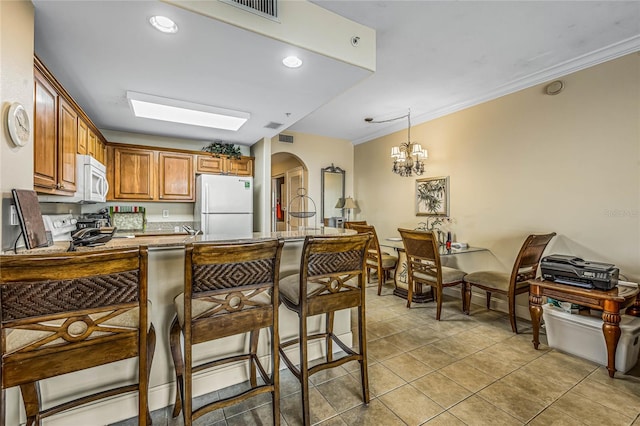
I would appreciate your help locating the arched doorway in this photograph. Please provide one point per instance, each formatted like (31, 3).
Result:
(288, 174)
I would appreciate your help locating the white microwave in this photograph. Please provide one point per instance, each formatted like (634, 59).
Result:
(91, 183)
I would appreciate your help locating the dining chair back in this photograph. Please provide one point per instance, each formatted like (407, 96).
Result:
(229, 289)
(525, 268)
(424, 267)
(377, 260)
(67, 312)
(350, 223)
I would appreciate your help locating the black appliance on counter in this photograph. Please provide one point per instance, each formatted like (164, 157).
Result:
(565, 269)
(95, 220)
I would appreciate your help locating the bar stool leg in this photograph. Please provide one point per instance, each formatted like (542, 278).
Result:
(31, 396)
(329, 329)
(304, 372)
(362, 343)
(253, 338)
(178, 362)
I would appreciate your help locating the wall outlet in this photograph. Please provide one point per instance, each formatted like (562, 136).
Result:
(13, 216)
(165, 213)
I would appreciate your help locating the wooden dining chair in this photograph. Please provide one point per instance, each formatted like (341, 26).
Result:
(377, 260)
(348, 225)
(66, 312)
(524, 268)
(229, 289)
(424, 266)
(331, 279)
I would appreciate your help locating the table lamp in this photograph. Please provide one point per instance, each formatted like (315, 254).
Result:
(349, 204)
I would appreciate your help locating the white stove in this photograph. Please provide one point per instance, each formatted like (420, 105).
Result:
(61, 226)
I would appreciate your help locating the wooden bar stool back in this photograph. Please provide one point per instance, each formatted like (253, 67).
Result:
(230, 288)
(331, 278)
(66, 312)
(381, 262)
(424, 266)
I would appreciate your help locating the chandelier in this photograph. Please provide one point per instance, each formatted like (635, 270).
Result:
(407, 157)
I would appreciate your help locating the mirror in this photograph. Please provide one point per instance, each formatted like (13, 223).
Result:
(332, 191)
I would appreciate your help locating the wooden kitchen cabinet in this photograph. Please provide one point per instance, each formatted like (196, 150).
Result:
(61, 132)
(132, 174)
(45, 135)
(67, 146)
(149, 175)
(224, 165)
(83, 136)
(176, 176)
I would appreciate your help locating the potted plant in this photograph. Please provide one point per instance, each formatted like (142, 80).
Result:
(218, 148)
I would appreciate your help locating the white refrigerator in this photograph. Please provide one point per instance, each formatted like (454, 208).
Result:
(224, 206)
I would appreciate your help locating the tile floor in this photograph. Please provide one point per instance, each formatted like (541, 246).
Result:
(462, 370)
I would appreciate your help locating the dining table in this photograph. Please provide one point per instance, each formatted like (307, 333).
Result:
(423, 293)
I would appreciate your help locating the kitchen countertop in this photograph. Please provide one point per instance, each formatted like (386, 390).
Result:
(159, 239)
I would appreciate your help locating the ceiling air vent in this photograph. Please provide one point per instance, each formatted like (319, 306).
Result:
(266, 8)
(273, 125)
(285, 138)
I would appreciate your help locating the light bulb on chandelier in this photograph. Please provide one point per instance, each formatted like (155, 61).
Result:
(408, 156)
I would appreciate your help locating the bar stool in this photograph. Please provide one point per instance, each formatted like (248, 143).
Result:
(66, 312)
(331, 278)
(229, 289)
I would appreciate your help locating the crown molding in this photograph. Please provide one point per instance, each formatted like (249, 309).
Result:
(579, 63)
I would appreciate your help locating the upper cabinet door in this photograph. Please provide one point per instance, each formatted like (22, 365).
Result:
(210, 164)
(67, 146)
(83, 136)
(241, 167)
(45, 133)
(175, 171)
(224, 166)
(134, 174)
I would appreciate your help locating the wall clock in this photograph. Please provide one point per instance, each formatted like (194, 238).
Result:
(18, 124)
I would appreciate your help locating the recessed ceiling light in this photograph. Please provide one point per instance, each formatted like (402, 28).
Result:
(163, 24)
(173, 110)
(292, 62)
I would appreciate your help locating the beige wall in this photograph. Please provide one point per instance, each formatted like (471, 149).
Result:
(318, 152)
(160, 141)
(16, 85)
(528, 163)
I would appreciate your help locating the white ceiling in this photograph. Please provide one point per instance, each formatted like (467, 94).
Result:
(432, 57)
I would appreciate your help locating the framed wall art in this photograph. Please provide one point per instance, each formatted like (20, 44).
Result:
(432, 196)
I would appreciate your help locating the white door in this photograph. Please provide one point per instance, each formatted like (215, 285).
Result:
(294, 180)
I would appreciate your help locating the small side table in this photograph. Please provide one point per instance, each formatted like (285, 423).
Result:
(610, 302)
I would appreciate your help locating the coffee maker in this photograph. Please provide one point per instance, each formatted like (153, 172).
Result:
(95, 220)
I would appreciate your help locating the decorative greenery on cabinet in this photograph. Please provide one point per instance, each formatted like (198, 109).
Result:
(219, 148)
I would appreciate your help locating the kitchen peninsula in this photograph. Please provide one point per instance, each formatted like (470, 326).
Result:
(165, 282)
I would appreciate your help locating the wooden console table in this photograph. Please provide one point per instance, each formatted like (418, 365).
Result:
(610, 302)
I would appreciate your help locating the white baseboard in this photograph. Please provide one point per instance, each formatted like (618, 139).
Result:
(122, 407)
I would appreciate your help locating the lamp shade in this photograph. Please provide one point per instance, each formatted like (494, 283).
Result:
(349, 203)
(340, 203)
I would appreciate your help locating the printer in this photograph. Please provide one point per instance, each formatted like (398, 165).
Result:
(574, 271)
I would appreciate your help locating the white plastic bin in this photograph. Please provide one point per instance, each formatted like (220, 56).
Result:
(582, 336)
